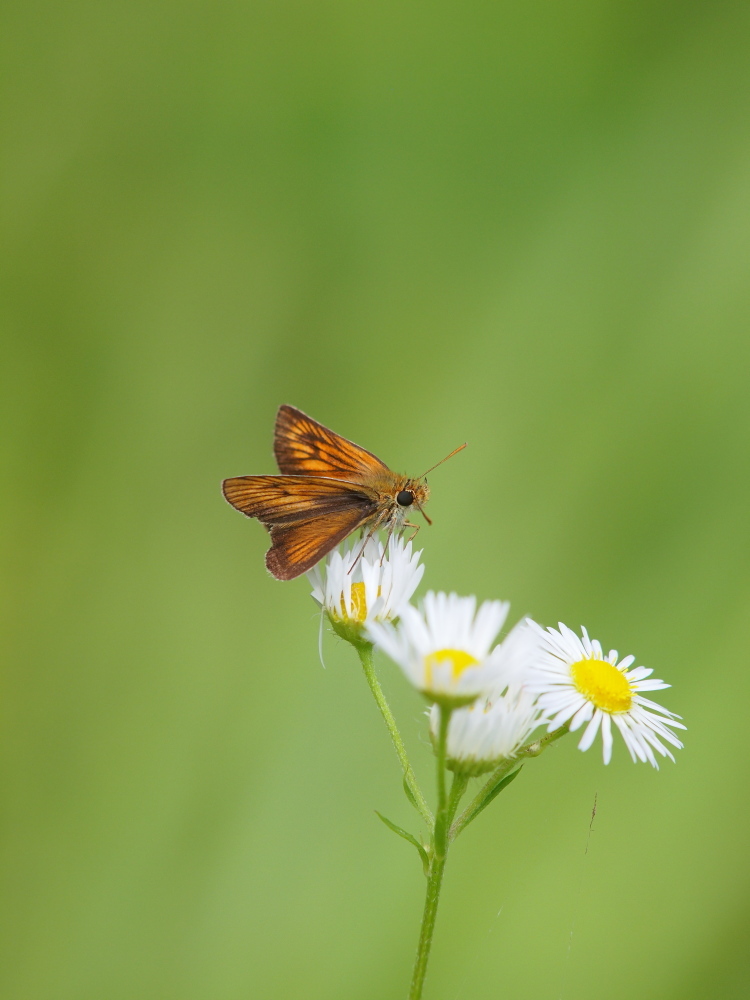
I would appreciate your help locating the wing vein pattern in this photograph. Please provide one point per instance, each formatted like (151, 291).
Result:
(305, 447)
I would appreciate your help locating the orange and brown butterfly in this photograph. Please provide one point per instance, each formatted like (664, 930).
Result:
(329, 487)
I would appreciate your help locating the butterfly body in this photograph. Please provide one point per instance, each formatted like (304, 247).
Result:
(329, 487)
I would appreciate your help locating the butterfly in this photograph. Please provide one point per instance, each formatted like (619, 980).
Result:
(329, 487)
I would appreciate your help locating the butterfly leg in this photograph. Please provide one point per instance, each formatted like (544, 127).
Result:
(388, 541)
(371, 532)
(408, 524)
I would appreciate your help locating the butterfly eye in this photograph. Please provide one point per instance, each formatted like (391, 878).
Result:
(405, 498)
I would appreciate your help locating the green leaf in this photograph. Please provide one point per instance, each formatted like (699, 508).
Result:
(491, 794)
(407, 836)
(410, 795)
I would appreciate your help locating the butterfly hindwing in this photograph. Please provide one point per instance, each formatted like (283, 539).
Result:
(306, 516)
(296, 548)
(303, 447)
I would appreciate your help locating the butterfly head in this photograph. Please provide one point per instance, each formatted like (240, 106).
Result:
(413, 492)
(410, 497)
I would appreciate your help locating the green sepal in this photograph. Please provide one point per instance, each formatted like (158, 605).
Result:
(449, 702)
(493, 792)
(471, 768)
(349, 630)
(407, 836)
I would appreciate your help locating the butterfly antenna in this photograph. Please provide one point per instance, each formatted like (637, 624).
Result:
(454, 452)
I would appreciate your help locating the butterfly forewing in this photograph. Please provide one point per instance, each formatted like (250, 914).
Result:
(304, 447)
(293, 499)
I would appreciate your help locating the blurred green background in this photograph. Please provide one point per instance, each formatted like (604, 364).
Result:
(521, 225)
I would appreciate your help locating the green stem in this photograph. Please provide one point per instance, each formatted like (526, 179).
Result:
(534, 748)
(434, 883)
(440, 839)
(365, 655)
(447, 806)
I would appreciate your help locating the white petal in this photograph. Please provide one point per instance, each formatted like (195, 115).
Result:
(582, 715)
(591, 730)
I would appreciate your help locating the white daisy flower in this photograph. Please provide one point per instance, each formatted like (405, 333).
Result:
(575, 683)
(444, 647)
(483, 734)
(496, 725)
(374, 590)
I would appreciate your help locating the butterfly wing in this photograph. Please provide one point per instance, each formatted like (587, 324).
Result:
(296, 548)
(304, 447)
(306, 516)
(291, 499)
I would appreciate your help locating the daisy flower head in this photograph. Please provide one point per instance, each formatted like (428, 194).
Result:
(575, 683)
(356, 587)
(444, 646)
(490, 730)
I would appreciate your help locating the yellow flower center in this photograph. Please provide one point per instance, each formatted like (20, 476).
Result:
(359, 604)
(602, 684)
(458, 659)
